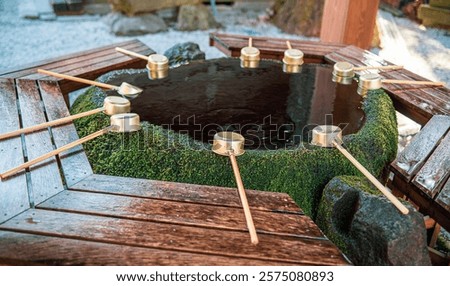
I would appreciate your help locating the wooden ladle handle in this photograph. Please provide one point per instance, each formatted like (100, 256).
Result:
(49, 123)
(248, 215)
(77, 79)
(372, 179)
(130, 53)
(53, 153)
(390, 67)
(289, 45)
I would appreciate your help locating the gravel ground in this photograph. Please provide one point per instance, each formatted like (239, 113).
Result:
(424, 51)
(23, 41)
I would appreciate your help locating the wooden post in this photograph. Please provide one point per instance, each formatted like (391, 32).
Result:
(349, 22)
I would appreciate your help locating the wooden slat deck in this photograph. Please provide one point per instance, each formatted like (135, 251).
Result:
(422, 170)
(272, 48)
(59, 213)
(88, 64)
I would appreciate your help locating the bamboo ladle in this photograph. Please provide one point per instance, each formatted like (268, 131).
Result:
(124, 89)
(331, 136)
(120, 123)
(292, 60)
(111, 105)
(232, 144)
(157, 65)
(344, 72)
(250, 55)
(372, 81)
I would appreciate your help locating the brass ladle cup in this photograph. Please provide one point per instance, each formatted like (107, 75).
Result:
(157, 65)
(232, 144)
(250, 56)
(292, 60)
(344, 72)
(125, 89)
(331, 136)
(120, 123)
(372, 81)
(111, 105)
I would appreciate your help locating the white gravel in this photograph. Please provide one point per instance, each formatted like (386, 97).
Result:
(424, 51)
(24, 41)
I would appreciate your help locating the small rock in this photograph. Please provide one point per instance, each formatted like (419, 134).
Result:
(196, 17)
(169, 15)
(368, 228)
(122, 25)
(97, 9)
(135, 7)
(184, 53)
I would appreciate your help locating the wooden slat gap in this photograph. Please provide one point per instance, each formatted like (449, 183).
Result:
(167, 222)
(71, 188)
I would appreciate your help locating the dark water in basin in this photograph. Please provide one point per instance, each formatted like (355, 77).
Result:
(270, 108)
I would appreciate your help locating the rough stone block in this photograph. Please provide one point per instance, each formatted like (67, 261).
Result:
(433, 16)
(132, 7)
(368, 228)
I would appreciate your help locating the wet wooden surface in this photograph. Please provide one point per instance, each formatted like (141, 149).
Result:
(422, 170)
(194, 214)
(13, 192)
(74, 162)
(60, 213)
(419, 149)
(16, 247)
(436, 170)
(88, 64)
(141, 188)
(44, 178)
(175, 237)
(272, 48)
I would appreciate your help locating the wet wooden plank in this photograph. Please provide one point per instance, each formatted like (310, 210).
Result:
(176, 238)
(44, 176)
(13, 191)
(109, 58)
(74, 162)
(265, 201)
(80, 58)
(193, 214)
(417, 105)
(412, 158)
(271, 48)
(355, 56)
(443, 199)
(428, 99)
(29, 249)
(436, 170)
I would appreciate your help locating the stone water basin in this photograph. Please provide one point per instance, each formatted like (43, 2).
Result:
(270, 108)
(182, 112)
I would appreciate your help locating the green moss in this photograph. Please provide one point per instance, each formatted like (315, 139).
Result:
(156, 153)
(443, 244)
